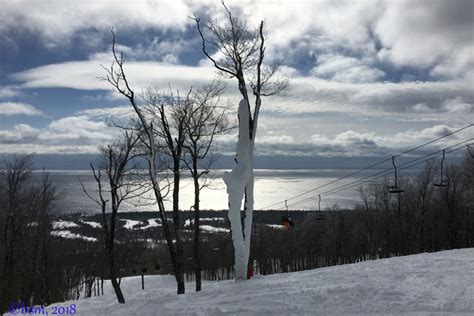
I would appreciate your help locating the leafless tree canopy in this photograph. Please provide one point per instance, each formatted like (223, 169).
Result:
(238, 51)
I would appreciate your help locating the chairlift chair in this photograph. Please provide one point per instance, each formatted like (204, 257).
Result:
(395, 188)
(286, 219)
(442, 182)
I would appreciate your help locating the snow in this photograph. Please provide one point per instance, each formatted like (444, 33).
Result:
(130, 223)
(69, 235)
(213, 219)
(207, 228)
(275, 226)
(152, 222)
(213, 229)
(425, 284)
(63, 224)
(237, 181)
(92, 224)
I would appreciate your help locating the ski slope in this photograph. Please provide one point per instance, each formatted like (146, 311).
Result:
(424, 284)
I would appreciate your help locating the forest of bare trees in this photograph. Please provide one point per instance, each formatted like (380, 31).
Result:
(25, 223)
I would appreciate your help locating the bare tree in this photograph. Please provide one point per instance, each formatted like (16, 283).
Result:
(117, 78)
(207, 120)
(16, 176)
(25, 225)
(116, 162)
(170, 114)
(237, 51)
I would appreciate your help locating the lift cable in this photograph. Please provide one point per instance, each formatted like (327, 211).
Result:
(387, 171)
(370, 167)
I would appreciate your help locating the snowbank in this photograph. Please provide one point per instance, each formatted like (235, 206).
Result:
(152, 222)
(91, 224)
(69, 235)
(424, 284)
(130, 223)
(212, 229)
(63, 224)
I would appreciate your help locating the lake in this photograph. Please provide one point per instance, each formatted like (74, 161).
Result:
(271, 186)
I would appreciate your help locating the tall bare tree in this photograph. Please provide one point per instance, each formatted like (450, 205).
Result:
(170, 113)
(116, 76)
(116, 162)
(208, 119)
(238, 51)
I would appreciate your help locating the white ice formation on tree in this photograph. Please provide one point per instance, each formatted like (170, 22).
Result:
(238, 181)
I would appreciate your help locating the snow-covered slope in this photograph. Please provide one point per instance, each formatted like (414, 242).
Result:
(441, 282)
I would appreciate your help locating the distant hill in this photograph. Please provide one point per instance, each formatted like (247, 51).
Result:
(82, 162)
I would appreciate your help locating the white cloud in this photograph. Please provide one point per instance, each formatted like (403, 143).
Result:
(422, 108)
(170, 59)
(117, 111)
(80, 129)
(57, 20)
(8, 92)
(424, 34)
(272, 138)
(432, 35)
(457, 105)
(345, 69)
(72, 123)
(306, 94)
(83, 75)
(15, 108)
(19, 134)
(73, 134)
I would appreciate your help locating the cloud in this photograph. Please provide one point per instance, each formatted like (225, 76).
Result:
(345, 69)
(14, 108)
(108, 112)
(457, 105)
(72, 123)
(434, 36)
(56, 21)
(352, 143)
(8, 92)
(20, 133)
(70, 135)
(421, 108)
(80, 129)
(272, 138)
(84, 75)
(306, 94)
(424, 34)
(161, 49)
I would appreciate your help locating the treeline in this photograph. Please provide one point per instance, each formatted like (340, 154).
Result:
(25, 234)
(424, 218)
(36, 267)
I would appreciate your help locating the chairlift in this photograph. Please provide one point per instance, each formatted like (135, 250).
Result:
(320, 216)
(442, 182)
(394, 188)
(471, 153)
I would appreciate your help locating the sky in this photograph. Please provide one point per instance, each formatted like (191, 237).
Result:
(368, 78)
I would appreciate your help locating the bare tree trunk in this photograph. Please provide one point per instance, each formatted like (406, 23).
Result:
(197, 261)
(113, 278)
(176, 226)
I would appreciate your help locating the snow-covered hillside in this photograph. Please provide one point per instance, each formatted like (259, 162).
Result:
(419, 284)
